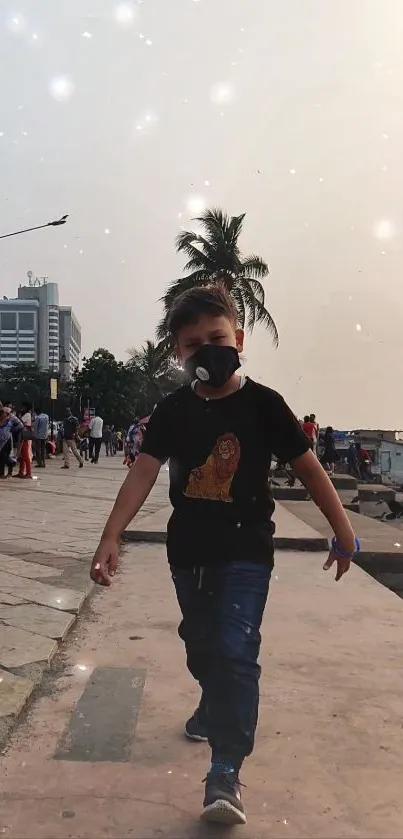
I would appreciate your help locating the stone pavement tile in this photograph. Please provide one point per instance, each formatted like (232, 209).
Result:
(11, 600)
(64, 599)
(39, 619)
(26, 569)
(77, 577)
(14, 692)
(18, 647)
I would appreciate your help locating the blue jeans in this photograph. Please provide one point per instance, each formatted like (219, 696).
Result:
(222, 609)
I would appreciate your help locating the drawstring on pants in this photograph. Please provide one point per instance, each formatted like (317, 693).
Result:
(200, 571)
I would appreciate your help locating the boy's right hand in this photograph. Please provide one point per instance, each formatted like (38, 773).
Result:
(105, 562)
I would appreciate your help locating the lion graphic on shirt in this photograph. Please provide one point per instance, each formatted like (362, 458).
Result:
(212, 481)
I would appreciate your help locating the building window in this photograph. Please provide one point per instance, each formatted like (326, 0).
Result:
(26, 321)
(9, 321)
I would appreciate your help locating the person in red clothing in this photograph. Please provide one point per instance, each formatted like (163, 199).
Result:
(364, 461)
(310, 430)
(312, 418)
(25, 456)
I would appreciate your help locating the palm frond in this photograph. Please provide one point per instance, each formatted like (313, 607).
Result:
(255, 267)
(264, 317)
(234, 230)
(256, 287)
(177, 287)
(215, 222)
(184, 240)
(240, 305)
(250, 303)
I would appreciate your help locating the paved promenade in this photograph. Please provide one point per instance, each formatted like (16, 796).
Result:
(101, 751)
(49, 529)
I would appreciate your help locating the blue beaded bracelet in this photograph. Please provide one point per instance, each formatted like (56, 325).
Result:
(339, 551)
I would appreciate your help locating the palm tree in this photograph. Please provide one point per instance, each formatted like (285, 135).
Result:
(155, 372)
(215, 257)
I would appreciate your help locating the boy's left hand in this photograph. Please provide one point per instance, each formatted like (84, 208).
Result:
(343, 565)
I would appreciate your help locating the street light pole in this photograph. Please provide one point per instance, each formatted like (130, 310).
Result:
(55, 223)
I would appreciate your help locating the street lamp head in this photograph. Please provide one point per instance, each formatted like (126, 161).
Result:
(58, 221)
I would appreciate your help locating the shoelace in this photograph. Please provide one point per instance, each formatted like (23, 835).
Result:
(224, 776)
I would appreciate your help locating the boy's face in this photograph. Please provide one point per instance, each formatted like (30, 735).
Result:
(219, 331)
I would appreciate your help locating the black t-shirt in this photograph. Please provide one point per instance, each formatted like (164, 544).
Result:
(70, 425)
(219, 453)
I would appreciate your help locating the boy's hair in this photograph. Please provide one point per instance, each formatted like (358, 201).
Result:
(306, 418)
(189, 307)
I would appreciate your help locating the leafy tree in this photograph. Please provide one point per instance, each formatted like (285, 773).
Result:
(215, 256)
(106, 385)
(27, 382)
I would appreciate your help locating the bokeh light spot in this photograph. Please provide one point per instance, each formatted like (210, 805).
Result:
(61, 88)
(222, 93)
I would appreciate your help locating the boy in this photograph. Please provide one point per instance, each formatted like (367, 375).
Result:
(219, 434)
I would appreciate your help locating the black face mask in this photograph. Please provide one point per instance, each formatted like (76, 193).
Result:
(213, 365)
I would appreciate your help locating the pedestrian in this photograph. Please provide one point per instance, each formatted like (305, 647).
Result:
(70, 426)
(219, 433)
(330, 455)
(41, 432)
(312, 418)
(8, 425)
(25, 452)
(16, 433)
(83, 441)
(107, 439)
(352, 462)
(364, 462)
(96, 428)
(309, 428)
(119, 440)
(114, 441)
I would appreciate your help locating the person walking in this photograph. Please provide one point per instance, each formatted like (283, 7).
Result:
(312, 418)
(353, 462)
(309, 428)
(107, 438)
(83, 441)
(96, 429)
(219, 433)
(41, 432)
(330, 455)
(70, 426)
(25, 452)
(114, 441)
(8, 424)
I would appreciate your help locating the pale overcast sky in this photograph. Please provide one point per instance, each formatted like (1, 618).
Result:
(128, 115)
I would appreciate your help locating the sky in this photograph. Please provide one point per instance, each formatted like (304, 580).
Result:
(133, 117)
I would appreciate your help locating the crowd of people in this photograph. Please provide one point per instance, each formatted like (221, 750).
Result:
(29, 438)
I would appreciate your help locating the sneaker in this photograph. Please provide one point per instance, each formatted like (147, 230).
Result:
(222, 800)
(81, 466)
(196, 727)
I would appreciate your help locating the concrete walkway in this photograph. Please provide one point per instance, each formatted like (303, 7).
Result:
(381, 543)
(49, 530)
(103, 756)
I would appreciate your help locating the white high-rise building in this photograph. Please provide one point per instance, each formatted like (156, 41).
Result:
(34, 328)
(70, 338)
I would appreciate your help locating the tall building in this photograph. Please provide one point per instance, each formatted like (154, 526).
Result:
(33, 327)
(70, 337)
